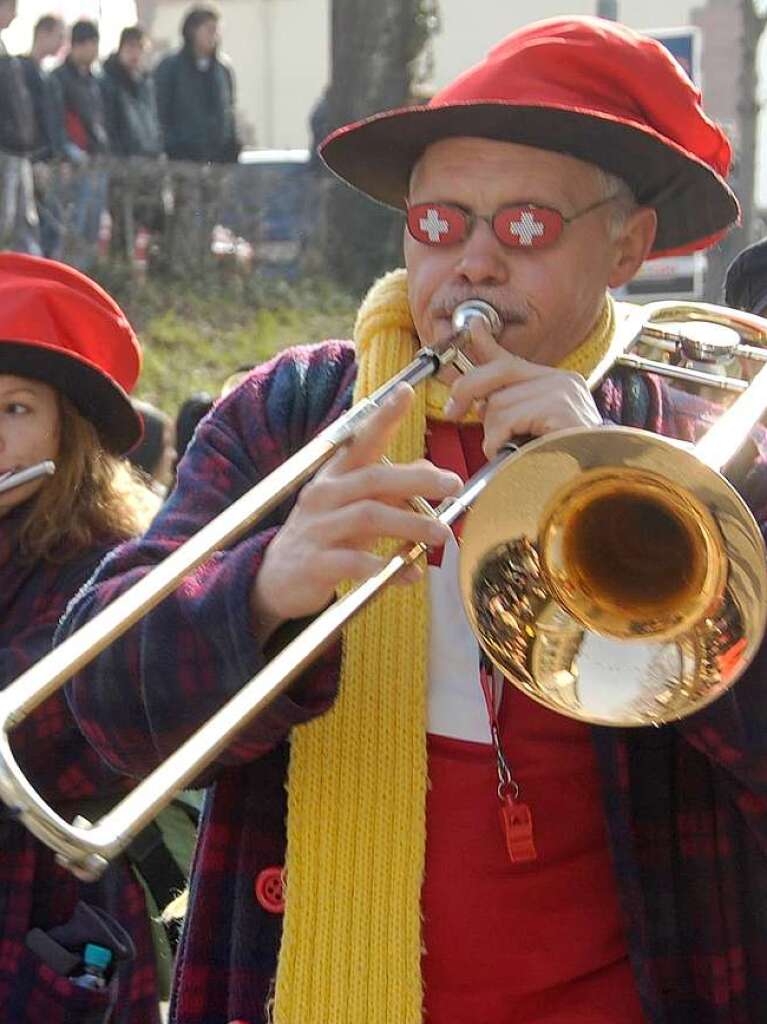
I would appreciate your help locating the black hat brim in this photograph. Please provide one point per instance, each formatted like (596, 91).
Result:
(693, 203)
(96, 398)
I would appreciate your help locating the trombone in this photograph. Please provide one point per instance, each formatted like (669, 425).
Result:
(634, 634)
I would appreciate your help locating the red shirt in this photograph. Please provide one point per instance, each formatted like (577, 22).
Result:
(537, 943)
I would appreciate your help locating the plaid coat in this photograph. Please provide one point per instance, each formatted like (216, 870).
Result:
(34, 891)
(685, 804)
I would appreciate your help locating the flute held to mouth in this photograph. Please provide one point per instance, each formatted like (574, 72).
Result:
(15, 478)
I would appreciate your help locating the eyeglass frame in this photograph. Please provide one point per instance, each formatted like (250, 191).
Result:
(470, 219)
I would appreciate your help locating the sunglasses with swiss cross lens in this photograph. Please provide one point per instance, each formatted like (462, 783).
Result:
(518, 226)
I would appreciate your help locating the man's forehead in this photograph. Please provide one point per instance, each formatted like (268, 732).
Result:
(484, 161)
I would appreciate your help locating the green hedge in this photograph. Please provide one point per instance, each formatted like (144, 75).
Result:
(194, 335)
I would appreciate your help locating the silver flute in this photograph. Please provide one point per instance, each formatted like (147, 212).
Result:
(16, 478)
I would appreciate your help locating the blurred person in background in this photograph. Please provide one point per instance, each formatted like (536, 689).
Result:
(19, 228)
(196, 103)
(189, 415)
(47, 41)
(196, 94)
(83, 108)
(64, 380)
(133, 127)
(130, 105)
(85, 140)
(236, 378)
(745, 285)
(155, 454)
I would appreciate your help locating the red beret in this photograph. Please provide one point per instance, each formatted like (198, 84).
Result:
(586, 87)
(58, 326)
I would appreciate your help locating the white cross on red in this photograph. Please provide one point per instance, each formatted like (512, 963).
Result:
(526, 228)
(433, 225)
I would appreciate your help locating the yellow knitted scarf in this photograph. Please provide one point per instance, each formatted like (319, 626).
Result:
(351, 947)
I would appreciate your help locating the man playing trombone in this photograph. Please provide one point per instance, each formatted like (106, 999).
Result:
(447, 849)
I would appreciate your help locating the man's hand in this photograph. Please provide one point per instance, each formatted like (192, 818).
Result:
(516, 398)
(338, 517)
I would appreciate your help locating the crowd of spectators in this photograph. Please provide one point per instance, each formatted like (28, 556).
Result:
(80, 139)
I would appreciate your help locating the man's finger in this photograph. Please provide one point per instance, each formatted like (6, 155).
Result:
(371, 441)
(504, 371)
(482, 346)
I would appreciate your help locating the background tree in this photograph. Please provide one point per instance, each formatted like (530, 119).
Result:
(376, 47)
(752, 17)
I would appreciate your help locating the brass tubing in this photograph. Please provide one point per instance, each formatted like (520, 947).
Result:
(684, 374)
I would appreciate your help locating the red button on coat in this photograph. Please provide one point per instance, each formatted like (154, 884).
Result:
(269, 890)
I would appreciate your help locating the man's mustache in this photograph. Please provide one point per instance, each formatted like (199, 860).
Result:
(444, 305)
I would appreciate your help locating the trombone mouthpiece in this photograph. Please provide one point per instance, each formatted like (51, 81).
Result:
(465, 312)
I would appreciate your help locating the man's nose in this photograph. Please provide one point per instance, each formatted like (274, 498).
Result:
(483, 258)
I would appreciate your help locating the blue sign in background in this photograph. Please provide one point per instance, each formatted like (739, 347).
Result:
(682, 47)
(681, 276)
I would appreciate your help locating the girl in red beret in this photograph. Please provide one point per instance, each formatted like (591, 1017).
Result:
(68, 359)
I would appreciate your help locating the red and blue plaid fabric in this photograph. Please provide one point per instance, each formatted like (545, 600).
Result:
(34, 891)
(685, 805)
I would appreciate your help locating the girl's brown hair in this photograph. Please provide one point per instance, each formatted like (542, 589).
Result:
(92, 498)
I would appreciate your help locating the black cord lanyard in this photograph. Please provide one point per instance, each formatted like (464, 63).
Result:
(515, 815)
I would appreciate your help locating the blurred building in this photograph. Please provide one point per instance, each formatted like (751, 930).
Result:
(280, 48)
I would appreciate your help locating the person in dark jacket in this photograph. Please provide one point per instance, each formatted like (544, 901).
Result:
(133, 127)
(85, 140)
(16, 119)
(196, 101)
(745, 284)
(84, 122)
(128, 93)
(190, 412)
(155, 455)
(47, 41)
(19, 227)
(64, 380)
(196, 95)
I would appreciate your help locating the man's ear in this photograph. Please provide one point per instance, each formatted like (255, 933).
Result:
(634, 244)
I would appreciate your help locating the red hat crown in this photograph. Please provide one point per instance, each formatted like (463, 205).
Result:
(59, 326)
(585, 87)
(599, 67)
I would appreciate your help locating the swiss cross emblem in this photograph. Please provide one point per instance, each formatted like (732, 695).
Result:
(526, 227)
(433, 225)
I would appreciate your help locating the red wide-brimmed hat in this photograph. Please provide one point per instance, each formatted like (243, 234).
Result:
(58, 326)
(586, 87)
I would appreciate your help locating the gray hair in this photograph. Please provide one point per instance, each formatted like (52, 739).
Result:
(624, 204)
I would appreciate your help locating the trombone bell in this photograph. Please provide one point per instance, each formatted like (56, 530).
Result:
(630, 553)
(614, 577)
